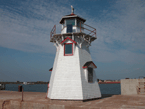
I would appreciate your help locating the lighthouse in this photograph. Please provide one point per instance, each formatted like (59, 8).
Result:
(73, 74)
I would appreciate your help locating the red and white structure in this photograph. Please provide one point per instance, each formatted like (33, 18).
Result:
(73, 76)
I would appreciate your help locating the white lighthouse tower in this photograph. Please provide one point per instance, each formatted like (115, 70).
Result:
(73, 76)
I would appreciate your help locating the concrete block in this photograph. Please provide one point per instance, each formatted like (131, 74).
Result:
(129, 86)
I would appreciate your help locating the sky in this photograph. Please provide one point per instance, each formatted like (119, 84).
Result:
(26, 53)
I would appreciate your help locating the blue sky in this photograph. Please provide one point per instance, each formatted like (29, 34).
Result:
(27, 55)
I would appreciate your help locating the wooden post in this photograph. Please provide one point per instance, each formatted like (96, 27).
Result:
(47, 90)
(22, 93)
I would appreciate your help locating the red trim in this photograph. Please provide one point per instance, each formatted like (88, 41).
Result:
(68, 39)
(72, 14)
(64, 49)
(50, 70)
(93, 64)
(85, 67)
(89, 64)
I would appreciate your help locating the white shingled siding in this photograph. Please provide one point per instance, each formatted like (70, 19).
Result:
(90, 90)
(53, 72)
(69, 79)
(86, 73)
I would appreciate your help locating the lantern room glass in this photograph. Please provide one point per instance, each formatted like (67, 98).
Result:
(70, 22)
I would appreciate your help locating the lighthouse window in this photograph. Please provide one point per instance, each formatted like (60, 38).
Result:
(70, 22)
(90, 74)
(68, 50)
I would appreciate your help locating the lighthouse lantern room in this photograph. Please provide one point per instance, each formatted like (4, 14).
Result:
(73, 76)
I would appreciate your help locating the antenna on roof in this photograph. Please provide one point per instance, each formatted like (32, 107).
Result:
(72, 9)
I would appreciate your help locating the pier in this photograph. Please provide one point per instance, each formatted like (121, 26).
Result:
(37, 100)
(130, 98)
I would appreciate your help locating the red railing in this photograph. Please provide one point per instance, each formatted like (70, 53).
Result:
(91, 30)
(85, 28)
(53, 31)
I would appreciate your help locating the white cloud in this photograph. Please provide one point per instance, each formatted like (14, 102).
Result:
(120, 30)
(27, 27)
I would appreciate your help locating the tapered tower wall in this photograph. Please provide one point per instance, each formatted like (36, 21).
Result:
(66, 77)
(53, 73)
(90, 90)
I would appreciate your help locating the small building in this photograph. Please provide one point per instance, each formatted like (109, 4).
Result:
(25, 83)
(101, 80)
(73, 74)
(107, 80)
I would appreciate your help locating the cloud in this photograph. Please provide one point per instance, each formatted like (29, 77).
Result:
(27, 25)
(120, 28)
(121, 32)
(120, 55)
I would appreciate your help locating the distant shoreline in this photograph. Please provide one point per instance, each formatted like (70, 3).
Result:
(23, 82)
(48, 83)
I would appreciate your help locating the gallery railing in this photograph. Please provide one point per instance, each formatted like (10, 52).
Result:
(84, 28)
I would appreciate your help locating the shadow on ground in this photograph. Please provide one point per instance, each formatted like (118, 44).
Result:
(103, 96)
(106, 95)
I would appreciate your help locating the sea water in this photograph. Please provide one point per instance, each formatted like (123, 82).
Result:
(105, 88)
